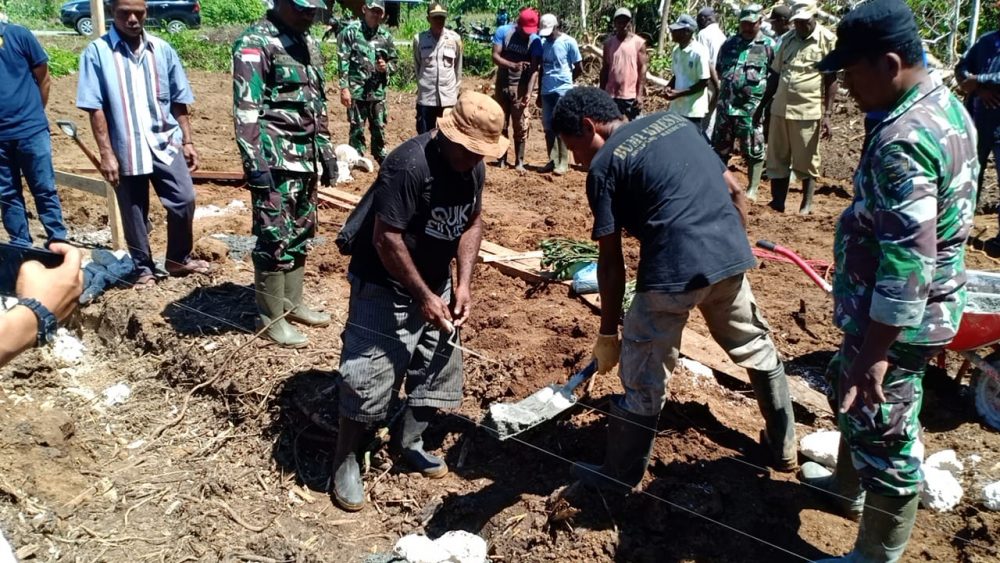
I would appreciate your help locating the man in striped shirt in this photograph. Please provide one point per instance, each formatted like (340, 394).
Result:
(134, 88)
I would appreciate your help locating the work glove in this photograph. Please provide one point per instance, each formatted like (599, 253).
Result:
(329, 175)
(259, 180)
(607, 350)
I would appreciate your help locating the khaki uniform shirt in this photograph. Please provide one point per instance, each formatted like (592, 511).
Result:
(800, 87)
(439, 68)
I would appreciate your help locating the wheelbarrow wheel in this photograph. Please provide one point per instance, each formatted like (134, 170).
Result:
(986, 393)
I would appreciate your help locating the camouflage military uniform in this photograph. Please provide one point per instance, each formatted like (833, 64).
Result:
(359, 47)
(899, 251)
(742, 68)
(281, 130)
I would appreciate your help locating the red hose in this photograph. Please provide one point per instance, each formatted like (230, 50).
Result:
(791, 255)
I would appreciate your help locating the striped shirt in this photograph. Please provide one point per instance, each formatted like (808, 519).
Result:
(135, 90)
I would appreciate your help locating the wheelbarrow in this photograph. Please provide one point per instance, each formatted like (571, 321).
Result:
(978, 332)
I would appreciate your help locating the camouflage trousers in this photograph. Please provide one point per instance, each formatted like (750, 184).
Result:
(284, 220)
(374, 112)
(885, 444)
(732, 128)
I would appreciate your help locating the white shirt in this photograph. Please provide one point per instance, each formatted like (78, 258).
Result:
(690, 65)
(712, 37)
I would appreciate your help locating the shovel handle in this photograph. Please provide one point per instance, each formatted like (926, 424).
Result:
(580, 376)
(798, 261)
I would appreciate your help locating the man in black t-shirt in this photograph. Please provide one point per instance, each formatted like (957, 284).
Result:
(657, 179)
(425, 213)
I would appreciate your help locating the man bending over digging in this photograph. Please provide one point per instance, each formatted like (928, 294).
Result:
(653, 177)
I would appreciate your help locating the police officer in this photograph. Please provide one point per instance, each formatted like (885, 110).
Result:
(280, 113)
(742, 68)
(899, 282)
(367, 58)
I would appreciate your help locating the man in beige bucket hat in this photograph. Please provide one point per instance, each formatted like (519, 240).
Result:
(423, 211)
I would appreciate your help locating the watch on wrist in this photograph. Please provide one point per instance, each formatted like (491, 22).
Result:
(47, 324)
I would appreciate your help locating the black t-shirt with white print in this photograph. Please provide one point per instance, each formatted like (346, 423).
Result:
(417, 192)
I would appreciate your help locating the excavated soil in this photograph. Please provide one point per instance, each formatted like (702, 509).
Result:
(209, 458)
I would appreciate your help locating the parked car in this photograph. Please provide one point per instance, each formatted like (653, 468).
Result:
(172, 15)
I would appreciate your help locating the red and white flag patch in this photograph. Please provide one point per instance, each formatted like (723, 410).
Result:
(250, 55)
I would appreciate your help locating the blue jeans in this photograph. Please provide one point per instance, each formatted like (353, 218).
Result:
(30, 158)
(549, 102)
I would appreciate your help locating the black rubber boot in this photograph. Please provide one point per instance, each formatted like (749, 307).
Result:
(519, 154)
(270, 296)
(808, 188)
(299, 312)
(779, 191)
(630, 443)
(884, 531)
(411, 443)
(775, 403)
(841, 488)
(348, 488)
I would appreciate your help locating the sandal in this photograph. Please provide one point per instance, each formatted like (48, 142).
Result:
(190, 267)
(145, 281)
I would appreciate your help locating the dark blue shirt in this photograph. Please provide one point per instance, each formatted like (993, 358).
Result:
(21, 111)
(982, 60)
(658, 179)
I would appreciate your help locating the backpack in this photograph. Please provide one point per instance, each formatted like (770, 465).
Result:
(356, 222)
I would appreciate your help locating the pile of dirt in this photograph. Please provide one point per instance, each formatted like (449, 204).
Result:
(210, 459)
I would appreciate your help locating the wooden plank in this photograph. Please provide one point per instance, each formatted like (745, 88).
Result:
(706, 351)
(75, 181)
(487, 258)
(198, 176)
(335, 193)
(102, 189)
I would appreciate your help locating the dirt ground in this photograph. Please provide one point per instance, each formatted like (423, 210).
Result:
(209, 459)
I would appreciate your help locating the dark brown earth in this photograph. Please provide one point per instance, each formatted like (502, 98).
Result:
(209, 459)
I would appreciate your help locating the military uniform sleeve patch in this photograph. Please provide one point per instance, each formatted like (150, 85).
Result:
(250, 55)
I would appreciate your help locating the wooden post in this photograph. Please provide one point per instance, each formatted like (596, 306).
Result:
(97, 16)
(664, 24)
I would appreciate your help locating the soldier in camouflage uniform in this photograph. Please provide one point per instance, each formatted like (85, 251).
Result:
(282, 132)
(367, 58)
(742, 69)
(900, 272)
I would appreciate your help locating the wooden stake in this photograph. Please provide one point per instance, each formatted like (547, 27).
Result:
(97, 16)
(664, 24)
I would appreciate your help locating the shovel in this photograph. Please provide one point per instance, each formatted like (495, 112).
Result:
(69, 128)
(510, 419)
(114, 214)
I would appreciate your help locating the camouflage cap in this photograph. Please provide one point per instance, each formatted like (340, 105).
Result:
(318, 4)
(375, 4)
(751, 13)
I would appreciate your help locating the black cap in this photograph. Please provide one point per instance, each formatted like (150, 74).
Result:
(875, 26)
(781, 11)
